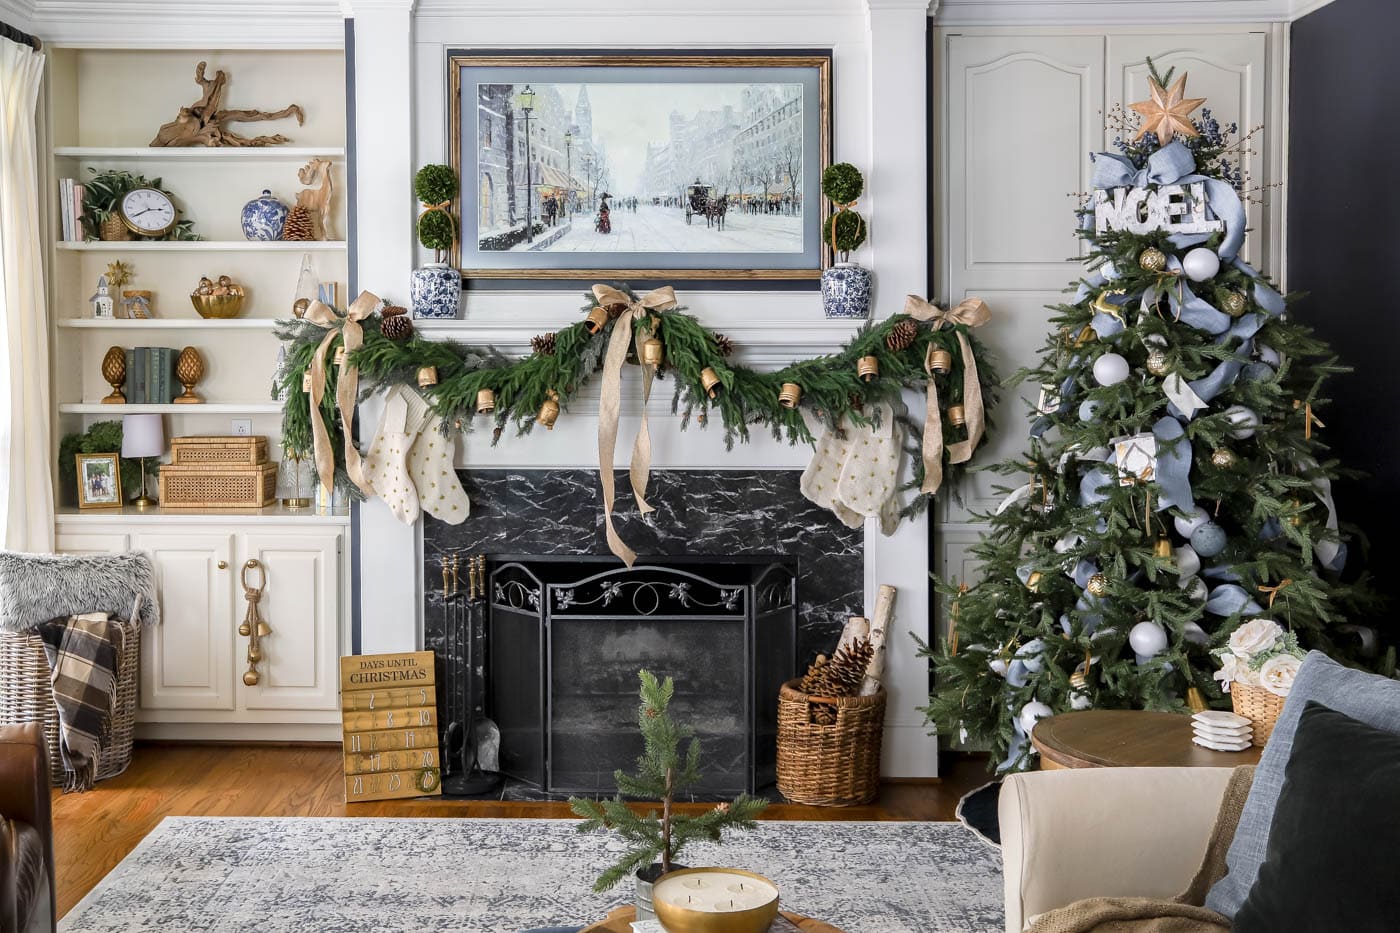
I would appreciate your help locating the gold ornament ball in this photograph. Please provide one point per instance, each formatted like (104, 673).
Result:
(1223, 457)
(1152, 259)
(1157, 362)
(1033, 581)
(1235, 303)
(1098, 585)
(790, 395)
(940, 361)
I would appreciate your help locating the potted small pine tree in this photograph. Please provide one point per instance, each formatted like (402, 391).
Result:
(436, 287)
(846, 285)
(654, 843)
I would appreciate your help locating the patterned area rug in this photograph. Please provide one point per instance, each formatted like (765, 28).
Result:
(298, 875)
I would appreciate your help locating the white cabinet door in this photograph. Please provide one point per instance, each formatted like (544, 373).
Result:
(300, 602)
(187, 660)
(90, 542)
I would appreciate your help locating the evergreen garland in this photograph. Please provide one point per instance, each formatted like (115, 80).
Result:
(831, 388)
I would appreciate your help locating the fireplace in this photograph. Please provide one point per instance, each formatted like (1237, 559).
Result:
(566, 637)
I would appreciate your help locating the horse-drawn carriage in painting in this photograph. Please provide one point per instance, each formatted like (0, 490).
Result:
(703, 200)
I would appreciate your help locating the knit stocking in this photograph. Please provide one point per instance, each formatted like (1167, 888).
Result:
(871, 471)
(386, 465)
(822, 477)
(433, 472)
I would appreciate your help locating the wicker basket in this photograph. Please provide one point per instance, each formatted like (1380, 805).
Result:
(114, 228)
(829, 766)
(1259, 706)
(218, 451)
(26, 695)
(214, 486)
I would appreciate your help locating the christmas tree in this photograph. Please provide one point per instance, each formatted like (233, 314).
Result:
(1176, 485)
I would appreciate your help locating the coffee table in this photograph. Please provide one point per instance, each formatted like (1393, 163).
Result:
(1119, 738)
(620, 921)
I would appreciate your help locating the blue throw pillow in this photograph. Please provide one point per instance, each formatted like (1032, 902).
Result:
(1369, 698)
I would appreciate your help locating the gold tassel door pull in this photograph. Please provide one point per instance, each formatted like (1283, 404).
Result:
(253, 628)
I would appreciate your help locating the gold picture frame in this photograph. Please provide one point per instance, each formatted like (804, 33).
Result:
(817, 254)
(99, 481)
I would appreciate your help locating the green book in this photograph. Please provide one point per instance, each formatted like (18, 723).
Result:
(129, 387)
(142, 367)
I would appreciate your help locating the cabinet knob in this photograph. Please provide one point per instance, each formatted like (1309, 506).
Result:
(222, 565)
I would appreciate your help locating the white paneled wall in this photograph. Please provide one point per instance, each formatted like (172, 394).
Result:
(1018, 111)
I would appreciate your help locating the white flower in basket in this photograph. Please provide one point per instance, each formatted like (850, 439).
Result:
(1233, 670)
(1254, 638)
(1278, 672)
(1259, 654)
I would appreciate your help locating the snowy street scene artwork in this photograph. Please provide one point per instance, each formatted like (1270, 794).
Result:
(589, 169)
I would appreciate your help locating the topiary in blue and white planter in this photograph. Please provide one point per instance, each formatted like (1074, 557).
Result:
(435, 290)
(846, 291)
(264, 217)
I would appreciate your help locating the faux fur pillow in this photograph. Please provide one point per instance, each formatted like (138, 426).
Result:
(37, 587)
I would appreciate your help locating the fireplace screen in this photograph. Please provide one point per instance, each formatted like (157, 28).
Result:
(566, 637)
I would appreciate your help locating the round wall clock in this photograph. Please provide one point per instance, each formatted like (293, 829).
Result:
(148, 212)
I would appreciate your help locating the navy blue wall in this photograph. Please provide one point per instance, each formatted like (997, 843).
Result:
(1344, 245)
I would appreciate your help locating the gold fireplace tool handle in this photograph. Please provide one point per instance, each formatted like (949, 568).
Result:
(253, 627)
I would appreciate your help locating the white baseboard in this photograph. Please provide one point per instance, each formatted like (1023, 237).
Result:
(238, 732)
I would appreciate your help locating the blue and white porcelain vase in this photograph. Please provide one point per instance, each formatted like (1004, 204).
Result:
(846, 291)
(264, 217)
(435, 290)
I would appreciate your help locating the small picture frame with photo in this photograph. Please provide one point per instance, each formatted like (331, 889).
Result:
(99, 481)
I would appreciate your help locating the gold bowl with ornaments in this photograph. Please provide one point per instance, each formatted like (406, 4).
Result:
(218, 299)
(714, 900)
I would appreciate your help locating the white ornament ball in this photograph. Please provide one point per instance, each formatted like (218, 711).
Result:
(1195, 588)
(1110, 369)
(1089, 409)
(1147, 639)
(1194, 634)
(1208, 540)
(1109, 270)
(1080, 701)
(1188, 562)
(1268, 354)
(998, 666)
(1031, 712)
(1244, 419)
(1200, 264)
(1195, 519)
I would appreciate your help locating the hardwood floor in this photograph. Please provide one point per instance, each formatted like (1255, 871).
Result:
(96, 830)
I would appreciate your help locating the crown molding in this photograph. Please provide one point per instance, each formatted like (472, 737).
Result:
(639, 9)
(18, 13)
(192, 24)
(1118, 12)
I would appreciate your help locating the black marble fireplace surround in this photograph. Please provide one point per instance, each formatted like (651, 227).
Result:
(735, 517)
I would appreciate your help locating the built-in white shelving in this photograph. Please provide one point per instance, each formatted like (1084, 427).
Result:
(211, 246)
(204, 408)
(198, 154)
(70, 515)
(164, 323)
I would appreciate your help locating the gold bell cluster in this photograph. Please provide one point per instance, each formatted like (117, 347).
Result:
(549, 409)
(790, 395)
(709, 380)
(253, 627)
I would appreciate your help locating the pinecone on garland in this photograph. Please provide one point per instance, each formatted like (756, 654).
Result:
(902, 335)
(397, 327)
(298, 225)
(543, 344)
(724, 345)
(392, 310)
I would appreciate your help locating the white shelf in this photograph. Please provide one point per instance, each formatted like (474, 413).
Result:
(127, 515)
(198, 154)
(211, 246)
(168, 323)
(207, 408)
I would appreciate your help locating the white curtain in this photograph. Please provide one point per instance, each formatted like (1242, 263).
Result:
(26, 489)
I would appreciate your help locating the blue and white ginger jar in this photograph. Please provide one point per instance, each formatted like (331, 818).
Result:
(264, 217)
(435, 290)
(846, 291)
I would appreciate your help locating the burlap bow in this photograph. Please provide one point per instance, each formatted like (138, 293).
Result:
(609, 408)
(971, 312)
(353, 336)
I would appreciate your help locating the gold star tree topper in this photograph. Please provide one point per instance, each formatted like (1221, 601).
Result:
(1168, 113)
(118, 273)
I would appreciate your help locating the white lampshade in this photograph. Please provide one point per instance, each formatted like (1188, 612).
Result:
(142, 436)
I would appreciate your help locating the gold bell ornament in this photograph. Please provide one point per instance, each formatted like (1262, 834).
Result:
(1163, 548)
(1296, 520)
(427, 376)
(340, 355)
(1234, 303)
(790, 395)
(940, 361)
(868, 368)
(957, 415)
(1196, 700)
(651, 352)
(485, 401)
(1157, 362)
(306, 381)
(1098, 585)
(1152, 259)
(709, 381)
(1223, 457)
(596, 319)
(549, 409)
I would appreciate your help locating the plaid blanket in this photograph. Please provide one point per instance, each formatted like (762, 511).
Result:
(82, 652)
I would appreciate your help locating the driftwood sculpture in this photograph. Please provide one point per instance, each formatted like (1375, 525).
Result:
(202, 123)
(316, 199)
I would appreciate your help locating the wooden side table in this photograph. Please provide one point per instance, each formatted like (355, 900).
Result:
(1116, 738)
(620, 921)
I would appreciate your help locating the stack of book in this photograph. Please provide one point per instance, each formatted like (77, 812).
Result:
(150, 376)
(70, 209)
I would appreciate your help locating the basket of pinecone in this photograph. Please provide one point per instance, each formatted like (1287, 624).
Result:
(828, 734)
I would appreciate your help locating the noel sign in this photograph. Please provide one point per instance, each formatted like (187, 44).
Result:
(1175, 208)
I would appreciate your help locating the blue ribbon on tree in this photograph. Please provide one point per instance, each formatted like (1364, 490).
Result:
(1173, 464)
(1228, 599)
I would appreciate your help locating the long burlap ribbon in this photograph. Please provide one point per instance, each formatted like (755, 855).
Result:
(609, 408)
(972, 312)
(347, 385)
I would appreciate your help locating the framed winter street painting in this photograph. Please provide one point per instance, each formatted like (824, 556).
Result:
(649, 165)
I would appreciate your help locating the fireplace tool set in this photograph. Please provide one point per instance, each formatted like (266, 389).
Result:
(466, 733)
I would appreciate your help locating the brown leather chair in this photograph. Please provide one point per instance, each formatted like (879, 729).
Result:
(27, 902)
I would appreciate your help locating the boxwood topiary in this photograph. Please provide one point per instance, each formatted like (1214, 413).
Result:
(437, 228)
(844, 230)
(842, 182)
(434, 184)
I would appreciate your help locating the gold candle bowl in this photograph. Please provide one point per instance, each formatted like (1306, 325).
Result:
(217, 306)
(678, 919)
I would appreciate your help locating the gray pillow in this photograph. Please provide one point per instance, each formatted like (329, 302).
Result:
(1369, 698)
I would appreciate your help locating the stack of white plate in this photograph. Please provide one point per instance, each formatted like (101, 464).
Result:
(1221, 731)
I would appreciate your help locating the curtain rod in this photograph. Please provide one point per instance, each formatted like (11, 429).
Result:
(23, 38)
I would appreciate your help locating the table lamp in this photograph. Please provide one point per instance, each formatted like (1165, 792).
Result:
(142, 436)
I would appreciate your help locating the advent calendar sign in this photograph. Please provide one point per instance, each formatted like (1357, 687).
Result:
(389, 708)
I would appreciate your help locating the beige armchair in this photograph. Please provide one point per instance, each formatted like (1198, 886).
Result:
(1103, 832)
